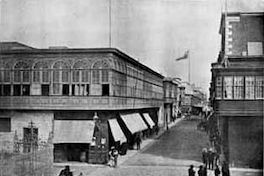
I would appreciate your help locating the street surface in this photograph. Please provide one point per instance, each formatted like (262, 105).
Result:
(171, 154)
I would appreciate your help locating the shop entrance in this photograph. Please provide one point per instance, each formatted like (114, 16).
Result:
(71, 152)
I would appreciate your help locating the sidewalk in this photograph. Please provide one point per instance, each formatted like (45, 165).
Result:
(245, 172)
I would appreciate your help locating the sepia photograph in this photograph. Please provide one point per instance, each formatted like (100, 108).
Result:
(131, 87)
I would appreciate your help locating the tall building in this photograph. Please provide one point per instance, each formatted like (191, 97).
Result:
(84, 100)
(237, 87)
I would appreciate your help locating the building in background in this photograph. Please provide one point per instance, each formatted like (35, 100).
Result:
(237, 87)
(171, 99)
(84, 100)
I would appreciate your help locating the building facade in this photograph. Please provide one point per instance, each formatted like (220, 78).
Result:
(84, 100)
(237, 87)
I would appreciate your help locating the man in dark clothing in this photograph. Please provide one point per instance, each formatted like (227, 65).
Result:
(211, 159)
(204, 171)
(205, 156)
(191, 172)
(200, 171)
(66, 171)
(138, 141)
(225, 169)
(217, 171)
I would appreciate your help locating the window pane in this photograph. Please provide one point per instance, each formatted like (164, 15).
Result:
(259, 87)
(249, 86)
(228, 83)
(96, 74)
(1, 77)
(25, 90)
(219, 87)
(85, 75)
(56, 76)
(45, 76)
(17, 90)
(7, 90)
(75, 75)
(17, 76)
(104, 75)
(65, 76)
(56, 88)
(26, 76)
(36, 76)
(238, 87)
(44, 90)
(5, 125)
(7, 75)
(105, 90)
(65, 89)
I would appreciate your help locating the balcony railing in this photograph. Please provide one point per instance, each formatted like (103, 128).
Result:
(76, 103)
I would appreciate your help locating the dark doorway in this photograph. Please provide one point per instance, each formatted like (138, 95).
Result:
(105, 90)
(30, 139)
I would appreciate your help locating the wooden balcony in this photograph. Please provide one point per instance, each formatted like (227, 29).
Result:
(239, 107)
(76, 103)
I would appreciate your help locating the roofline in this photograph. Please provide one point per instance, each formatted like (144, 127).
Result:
(80, 50)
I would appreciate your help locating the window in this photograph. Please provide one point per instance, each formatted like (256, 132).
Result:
(5, 125)
(45, 90)
(104, 75)
(61, 73)
(255, 48)
(17, 90)
(259, 87)
(218, 87)
(65, 89)
(7, 76)
(30, 137)
(228, 85)
(96, 76)
(249, 87)
(6, 90)
(105, 90)
(21, 90)
(25, 90)
(238, 87)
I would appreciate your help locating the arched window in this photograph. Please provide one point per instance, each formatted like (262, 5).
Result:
(61, 73)
(5, 79)
(41, 79)
(100, 75)
(21, 79)
(80, 78)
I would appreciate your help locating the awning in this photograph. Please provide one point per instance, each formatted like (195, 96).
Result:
(73, 131)
(116, 131)
(134, 122)
(149, 120)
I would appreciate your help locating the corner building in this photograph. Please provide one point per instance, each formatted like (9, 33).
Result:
(84, 100)
(237, 89)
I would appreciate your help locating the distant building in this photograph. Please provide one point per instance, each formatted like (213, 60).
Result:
(84, 100)
(171, 99)
(237, 89)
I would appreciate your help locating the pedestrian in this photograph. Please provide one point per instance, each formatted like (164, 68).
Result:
(205, 156)
(204, 170)
(66, 171)
(211, 158)
(225, 169)
(191, 172)
(217, 171)
(113, 155)
(200, 171)
(138, 141)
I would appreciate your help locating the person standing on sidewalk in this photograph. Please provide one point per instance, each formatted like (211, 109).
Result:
(205, 156)
(138, 141)
(217, 171)
(191, 172)
(200, 171)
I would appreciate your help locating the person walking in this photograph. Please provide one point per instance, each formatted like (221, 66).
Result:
(138, 141)
(191, 172)
(217, 171)
(200, 171)
(205, 156)
(113, 154)
(225, 169)
(204, 171)
(211, 158)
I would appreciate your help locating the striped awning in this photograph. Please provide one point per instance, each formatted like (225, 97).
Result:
(73, 131)
(149, 120)
(116, 131)
(134, 122)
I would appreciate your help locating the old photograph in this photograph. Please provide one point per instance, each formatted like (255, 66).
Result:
(131, 87)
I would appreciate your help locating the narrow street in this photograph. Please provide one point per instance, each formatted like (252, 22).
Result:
(171, 154)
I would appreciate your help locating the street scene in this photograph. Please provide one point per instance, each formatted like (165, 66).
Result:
(131, 87)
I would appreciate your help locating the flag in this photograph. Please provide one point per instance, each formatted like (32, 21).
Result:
(185, 56)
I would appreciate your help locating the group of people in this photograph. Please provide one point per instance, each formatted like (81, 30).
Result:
(210, 157)
(203, 171)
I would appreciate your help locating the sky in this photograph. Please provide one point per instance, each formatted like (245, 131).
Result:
(155, 32)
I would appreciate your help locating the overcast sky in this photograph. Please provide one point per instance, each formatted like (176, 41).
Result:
(155, 32)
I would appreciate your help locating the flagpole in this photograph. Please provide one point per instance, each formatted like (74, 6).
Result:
(189, 67)
(110, 20)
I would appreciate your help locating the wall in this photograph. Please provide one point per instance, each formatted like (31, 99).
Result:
(245, 141)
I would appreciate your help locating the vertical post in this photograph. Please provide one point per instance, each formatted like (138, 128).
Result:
(110, 20)
(189, 67)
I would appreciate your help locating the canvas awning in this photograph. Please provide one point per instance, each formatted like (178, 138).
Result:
(134, 122)
(149, 120)
(116, 131)
(73, 131)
